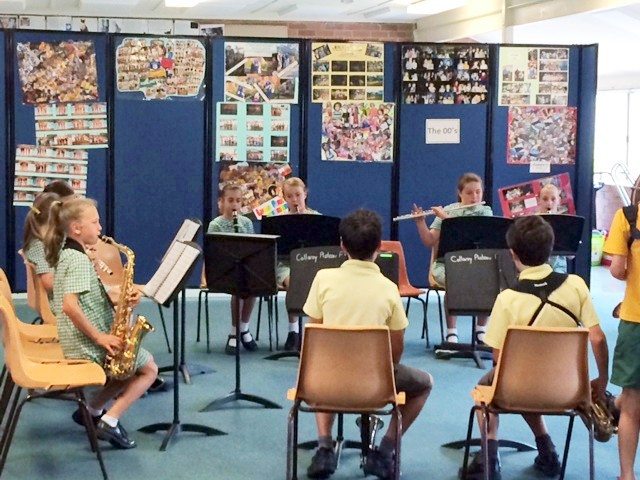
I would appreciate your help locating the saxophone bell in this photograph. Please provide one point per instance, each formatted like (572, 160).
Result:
(375, 424)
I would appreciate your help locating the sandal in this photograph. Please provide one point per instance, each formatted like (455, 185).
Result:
(451, 338)
(480, 341)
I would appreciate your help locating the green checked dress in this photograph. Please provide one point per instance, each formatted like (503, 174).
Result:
(75, 274)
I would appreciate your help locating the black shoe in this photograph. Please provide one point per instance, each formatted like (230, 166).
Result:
(230, 349)
(548, 463)
(250, 344)
(158, 385)
(323, 463)
(116, 436)
(475, 469)
(79, 418)
(379, 464)
(292, 342)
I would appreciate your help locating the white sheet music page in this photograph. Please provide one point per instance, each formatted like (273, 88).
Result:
(187, 233)
(170, 259)
(187, 257)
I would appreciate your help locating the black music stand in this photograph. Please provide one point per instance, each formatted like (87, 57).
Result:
(567, 230)
(175, 427)
(300, 231)
(242, 265)
(468, 233)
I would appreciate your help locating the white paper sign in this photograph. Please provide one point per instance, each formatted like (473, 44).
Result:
(540, 167)
(442, 130)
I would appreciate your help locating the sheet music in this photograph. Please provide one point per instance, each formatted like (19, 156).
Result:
(187, 233)
(188, 255)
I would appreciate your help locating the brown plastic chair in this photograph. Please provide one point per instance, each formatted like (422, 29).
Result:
(543, 371)
(37, 296)
(435, 287)
(344, 370)
(405, 288)
(46, 377)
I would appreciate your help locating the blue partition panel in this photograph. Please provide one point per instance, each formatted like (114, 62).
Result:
(508, 174)
(158, 170)
(429, 173)
(4, 181)
(25, 133)
(337, 188)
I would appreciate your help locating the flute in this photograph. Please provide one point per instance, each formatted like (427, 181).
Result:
(431, 212)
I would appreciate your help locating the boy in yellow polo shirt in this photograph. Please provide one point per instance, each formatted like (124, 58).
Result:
(623, 244)
(357, 293)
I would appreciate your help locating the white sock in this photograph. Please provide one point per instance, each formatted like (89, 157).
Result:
(94, 412)
(480, 330)
(244, 327)
(109, 420)
(232, 341)
(452, 331)
(294, 327)
(233, 330)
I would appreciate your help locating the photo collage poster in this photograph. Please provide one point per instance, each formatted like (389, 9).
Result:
(72, 125)
(252, 132)
(57, 72)
(347, 71)
(445, 74)
(357, 132)
(38, 166)
(542, 134)
(161, 68)
(260, 183)
(533, 76)
(261, 72)
(523, 198)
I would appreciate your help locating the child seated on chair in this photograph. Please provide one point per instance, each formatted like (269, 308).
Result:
(295, 194)
(549, 202)
(229, 220)
(357, 293)
(85, 315)
(530, 240)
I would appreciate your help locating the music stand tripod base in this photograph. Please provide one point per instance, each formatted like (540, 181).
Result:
(448, 350)
(476, 442)
(175, 428)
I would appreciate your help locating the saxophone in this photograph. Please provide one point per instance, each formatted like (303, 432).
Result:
(121, 365)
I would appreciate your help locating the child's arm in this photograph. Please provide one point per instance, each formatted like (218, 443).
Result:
(397, 344)
(72, 309)
(47, 281)
(618, 267)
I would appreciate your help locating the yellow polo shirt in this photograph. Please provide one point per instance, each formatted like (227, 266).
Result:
(356, 293)
(616, 244)
(517, 308)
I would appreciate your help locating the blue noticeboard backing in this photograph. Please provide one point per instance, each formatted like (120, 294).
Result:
(3, 162)
(25, 134)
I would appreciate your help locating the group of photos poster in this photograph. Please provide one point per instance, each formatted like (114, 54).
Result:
(261, 72)
(347, 71)
(72, 125)
(533, 76)
(252, 132)
(524, 198)
(542, 134)
(161, 68)
(360, 131)
(445, 74)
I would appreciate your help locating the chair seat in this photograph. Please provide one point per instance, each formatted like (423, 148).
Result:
(410, 291)
(38, 333)
(49, 351)
(60, 376)
(482, 394)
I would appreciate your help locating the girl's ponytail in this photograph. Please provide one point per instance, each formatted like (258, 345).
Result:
(54, 236)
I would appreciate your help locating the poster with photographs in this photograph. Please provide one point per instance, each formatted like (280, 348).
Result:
(524, 198)
(57, 72)
(445, 74)
(261, 72)
(357, 132)
(533, 76)
(38, 166)
(252, 132)
(72, 125)
(542, 134)
(161, 68)
(260, 182)
(347, 71)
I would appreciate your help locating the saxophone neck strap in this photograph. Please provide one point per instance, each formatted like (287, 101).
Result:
(542, 289)
(72, 244)
(631, 214)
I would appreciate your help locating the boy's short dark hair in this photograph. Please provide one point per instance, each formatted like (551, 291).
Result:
(60, 187)
(361, 233)
(531, 239)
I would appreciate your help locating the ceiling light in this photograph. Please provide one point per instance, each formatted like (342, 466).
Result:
(431, 7)
(181, 3)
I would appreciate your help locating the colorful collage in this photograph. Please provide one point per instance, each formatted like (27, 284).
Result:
(534, 76)
(445, 74)
(261, 72)
(523, 198)
(80, 125)
(57, 72)
(252, 132)
(161, 68)
(260, 182)
(347, 71)
(37, 166)
(360, 132)
(542, 134)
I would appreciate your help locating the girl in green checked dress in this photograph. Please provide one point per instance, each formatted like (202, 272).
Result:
(85, 314)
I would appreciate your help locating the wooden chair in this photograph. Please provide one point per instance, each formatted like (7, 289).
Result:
(37, 296)
(542, 371)
(437, 289)
(407, 290)
(45, 377)
(344, 370)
